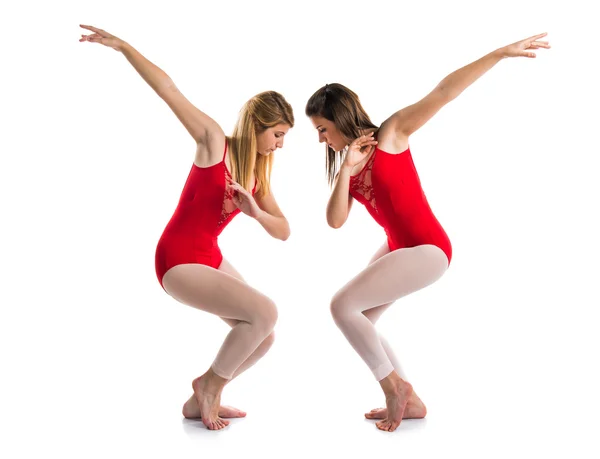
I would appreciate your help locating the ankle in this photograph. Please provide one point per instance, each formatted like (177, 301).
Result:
(392, 383)
(213, 380)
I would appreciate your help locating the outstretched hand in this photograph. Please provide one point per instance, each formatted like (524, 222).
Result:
(523, 48)
(102, 37)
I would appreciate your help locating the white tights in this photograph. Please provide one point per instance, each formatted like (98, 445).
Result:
(390, 275)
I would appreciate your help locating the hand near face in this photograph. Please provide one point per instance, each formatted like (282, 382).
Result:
(359, 149)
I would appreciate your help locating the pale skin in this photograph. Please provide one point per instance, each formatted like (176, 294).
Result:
(393, 137)
(198, 285)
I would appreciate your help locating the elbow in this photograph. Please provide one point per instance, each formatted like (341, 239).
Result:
(285, 234)
(335, 224)
(446, 92)
(336, 217)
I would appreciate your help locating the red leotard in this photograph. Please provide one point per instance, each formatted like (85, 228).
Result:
(205, 208)
(390, 189)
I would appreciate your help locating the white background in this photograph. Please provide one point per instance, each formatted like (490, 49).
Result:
(97, 359)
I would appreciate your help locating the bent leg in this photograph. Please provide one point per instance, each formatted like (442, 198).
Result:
(222, 294)
(392, 276)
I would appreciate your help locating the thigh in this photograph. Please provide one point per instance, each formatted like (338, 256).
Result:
(217, 292)
(392, 276)
(228, 268)
(375, 313)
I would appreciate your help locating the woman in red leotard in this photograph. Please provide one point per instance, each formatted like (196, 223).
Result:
(374, 166)
(228, 175)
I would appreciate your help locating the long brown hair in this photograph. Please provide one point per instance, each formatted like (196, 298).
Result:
(337, 103)
(261, 112)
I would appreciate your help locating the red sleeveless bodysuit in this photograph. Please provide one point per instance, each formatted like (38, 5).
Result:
(204, 210)
(390, 188)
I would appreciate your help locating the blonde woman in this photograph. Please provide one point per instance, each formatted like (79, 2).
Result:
(228, 175)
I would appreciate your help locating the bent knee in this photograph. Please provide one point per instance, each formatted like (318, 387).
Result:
(338, 307)
(268, 341)
(266, 315)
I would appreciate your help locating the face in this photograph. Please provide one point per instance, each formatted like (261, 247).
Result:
(328, 133)
(271, 139)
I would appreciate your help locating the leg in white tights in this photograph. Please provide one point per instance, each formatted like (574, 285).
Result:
(392, 276)
(251, 314)
(190, 408)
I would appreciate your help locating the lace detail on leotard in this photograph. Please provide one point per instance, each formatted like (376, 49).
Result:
(229, 208)
(363, 185)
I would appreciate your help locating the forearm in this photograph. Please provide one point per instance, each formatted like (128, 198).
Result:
(153, 75)
(458, 81)
(278, 227)
(337, 207)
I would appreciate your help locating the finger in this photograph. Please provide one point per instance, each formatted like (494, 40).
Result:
(369, 144)
(535, 37)
(88, 27)
(241, 190)
(526, 54)
(540, 44)
(94, 38)
(100, 32)
(86, 37)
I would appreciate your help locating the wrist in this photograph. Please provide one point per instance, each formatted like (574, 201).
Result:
(260, 217)
(499, 53)
(123, 46)
(345, 168)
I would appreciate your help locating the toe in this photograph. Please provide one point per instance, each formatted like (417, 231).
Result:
(231, 412)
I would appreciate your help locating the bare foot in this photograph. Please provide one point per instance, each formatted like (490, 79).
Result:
(397, 392)
(207, 391)
(415, 409)
(191, 410)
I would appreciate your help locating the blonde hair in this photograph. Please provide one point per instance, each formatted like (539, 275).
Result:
(261, 112)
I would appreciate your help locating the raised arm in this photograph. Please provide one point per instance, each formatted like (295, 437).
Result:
(406, 121)
(203, 129)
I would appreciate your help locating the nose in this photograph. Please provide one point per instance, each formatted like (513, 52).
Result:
(321, 137)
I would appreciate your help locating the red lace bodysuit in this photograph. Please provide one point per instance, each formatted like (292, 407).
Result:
(205, 208)
(390, 188)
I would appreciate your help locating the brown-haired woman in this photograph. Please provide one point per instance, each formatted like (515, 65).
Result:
(228, 175)
(374, 166)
